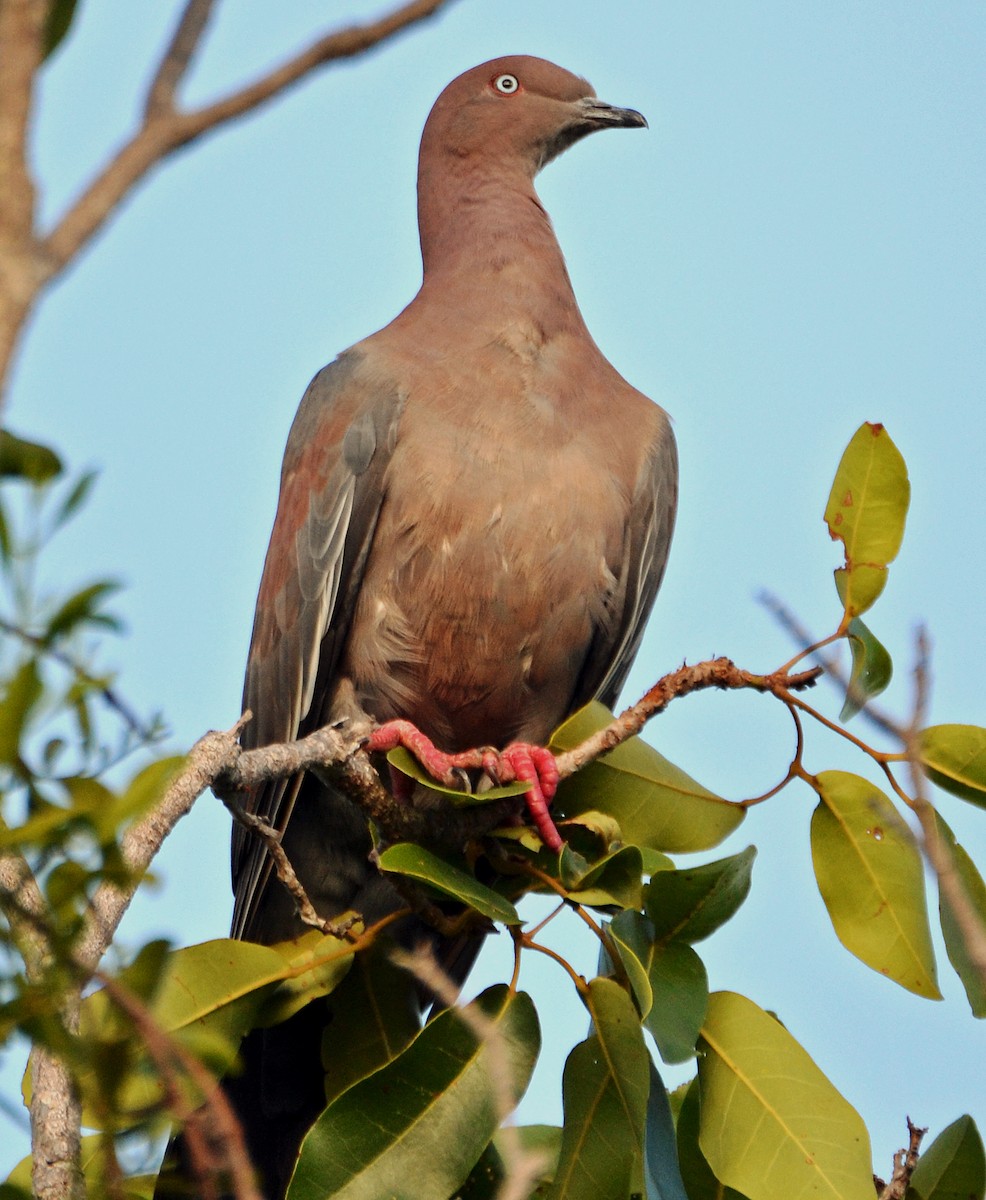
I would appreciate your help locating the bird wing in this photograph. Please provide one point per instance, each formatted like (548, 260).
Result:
(645, 554)
(332, 489)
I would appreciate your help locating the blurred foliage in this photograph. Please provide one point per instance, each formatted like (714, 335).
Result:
(759, 1121)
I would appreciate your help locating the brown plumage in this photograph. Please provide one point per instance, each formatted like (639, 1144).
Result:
(475, 507)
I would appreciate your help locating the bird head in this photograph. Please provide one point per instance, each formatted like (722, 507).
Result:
(520, 111)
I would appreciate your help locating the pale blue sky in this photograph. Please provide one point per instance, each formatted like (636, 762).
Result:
(794, 246)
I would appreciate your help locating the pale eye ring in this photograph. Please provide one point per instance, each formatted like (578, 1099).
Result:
(506, 85)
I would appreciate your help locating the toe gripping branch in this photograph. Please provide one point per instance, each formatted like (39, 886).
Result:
(520, 761)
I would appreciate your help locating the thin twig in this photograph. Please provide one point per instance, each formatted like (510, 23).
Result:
(715, 673)
(904, 1163)
(145, 733)
(164, 131)
(523, 1169)
(176, 58)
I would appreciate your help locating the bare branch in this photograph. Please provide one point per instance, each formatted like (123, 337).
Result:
(141, 843)
(176, 58)
(165, 131)
(716, 673)
(22, 25)
(904, 1163)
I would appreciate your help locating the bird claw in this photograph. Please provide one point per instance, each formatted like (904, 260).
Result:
(521, 761)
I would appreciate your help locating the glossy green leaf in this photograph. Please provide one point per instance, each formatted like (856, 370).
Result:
(872, 669)
(955, 942)
(419, 1124)
(23, 459)
(656, 804)
(866, 511)
(869, 871)
(955, 758)
(605, 1088)
(661, 1172)
(691, 903)
(374, 1019)
(407, 764)
(953, 1167)
(771, 1124)
(418, 863)
(702, 1183)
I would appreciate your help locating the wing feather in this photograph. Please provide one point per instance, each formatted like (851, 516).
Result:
(332, 488)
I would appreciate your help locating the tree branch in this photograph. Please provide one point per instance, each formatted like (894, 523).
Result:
(716, 673)
(142, 841)
(164, 130)
(176, 58)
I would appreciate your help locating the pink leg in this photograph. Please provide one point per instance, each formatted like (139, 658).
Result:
(533, 765)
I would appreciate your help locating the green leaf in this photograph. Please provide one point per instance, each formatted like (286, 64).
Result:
(702, 1183)
(771, 1124)
(315, 964)
(21, 459)
(418, 863)
(60, 16)
(612, 881)
(691, 903)
(80, 609)
(605, 1090)
(144, 791)
(680, 986)
(661, 1172)
(541, 1140)
(866, 511)
(955, 943)
(73, 500)
(953, 1166)
(669, 983)
(872, 669)
(955, 758)
(208, 996)
(655, 804)
(374, 1018)
(417, 1126)
(869, 871)
(407, 764)
(22, 693)
(632, 936)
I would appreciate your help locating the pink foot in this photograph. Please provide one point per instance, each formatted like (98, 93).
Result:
(533, 765)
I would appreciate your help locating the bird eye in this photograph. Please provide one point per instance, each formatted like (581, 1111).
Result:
(506, 85)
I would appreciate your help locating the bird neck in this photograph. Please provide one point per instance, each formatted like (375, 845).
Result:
(487, 245)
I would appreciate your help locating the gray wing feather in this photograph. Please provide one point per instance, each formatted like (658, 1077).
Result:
(318, 555)
(645, 555)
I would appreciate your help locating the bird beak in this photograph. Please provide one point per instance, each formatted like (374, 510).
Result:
(597, 114)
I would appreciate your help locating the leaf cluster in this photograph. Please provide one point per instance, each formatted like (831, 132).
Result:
(429, 1105)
